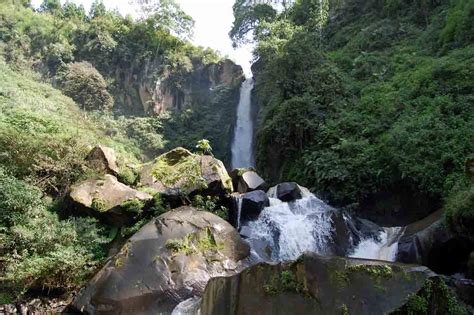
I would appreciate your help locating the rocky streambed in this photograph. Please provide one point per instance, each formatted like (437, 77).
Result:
(277, 250)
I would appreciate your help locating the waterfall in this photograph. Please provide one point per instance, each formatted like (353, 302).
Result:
(242, 149)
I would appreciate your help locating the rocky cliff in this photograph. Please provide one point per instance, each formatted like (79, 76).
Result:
(145, 91)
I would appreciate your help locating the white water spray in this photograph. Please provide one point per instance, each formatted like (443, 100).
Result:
(285, 230)
(188, 307)
(383, 249)
(242, 149)
(290, 229)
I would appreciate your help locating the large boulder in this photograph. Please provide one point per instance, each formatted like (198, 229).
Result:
(103, 159)
(168, 260)
(428, 242)
(325, 285)
(252, 204)
(286, 192)
(246, 180)
(108, 199)
(180, 172)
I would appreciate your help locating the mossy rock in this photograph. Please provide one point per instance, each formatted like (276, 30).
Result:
(317, 284)
(108, 199)
(182, 173)
(168, 260)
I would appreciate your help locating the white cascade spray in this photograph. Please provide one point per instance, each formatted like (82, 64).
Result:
(290, 229)
(242, 149)
(190, 306)
(385, 248)
(285, 230)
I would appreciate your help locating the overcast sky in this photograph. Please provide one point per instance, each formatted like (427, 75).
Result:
(213, 21)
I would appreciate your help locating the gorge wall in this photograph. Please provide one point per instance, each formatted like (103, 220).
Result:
(354, 96)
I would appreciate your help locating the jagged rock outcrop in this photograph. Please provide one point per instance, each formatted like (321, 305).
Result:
(108, 199)
(428, 242)
(179, 172)
(252, 204)
(103, 159)
(322, 285)
(169, 260)
(246, 180)
(286, 192)
(163, 95)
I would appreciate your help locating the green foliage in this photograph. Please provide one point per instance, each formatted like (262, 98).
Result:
(376, 101)
(194, 243)
(44, 136)
(459, 22)
(99, 204)
(5, 298)
(168, 14)
(39, 250)
(127, 175)
(286, 281)
(133, 206)
(210, 204)
(459, 211)
(435, 294)
(204, 147)
(86, 86)
(181, 172)
(376, 272)
(247, 17)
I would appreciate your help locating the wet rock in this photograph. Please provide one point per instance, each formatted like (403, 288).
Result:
(246, 180)
(428, 242)
(318, 285)
(367, 229)
(180, 172)
(343, 234)
(168, 261)
(108, 200)
(288, 191)
(103, 160)
(252, 204)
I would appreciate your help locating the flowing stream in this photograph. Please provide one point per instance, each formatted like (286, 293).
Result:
(285, 230)
(242, 148)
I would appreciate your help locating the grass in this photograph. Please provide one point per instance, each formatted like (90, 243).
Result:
(44, 135)
(194, 243)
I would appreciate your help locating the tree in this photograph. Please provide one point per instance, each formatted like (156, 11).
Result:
(248, 16)
(85, 85)
(97, 9)
(51, 6)
(71, 10)
(168, 15)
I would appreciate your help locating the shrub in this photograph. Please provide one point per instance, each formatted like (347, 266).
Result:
(459, 211)
(40, 250)
(85, 85)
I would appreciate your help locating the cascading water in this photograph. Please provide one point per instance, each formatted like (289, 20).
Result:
(242, 149)
(383, 248)
(289, 229)
(284, 231)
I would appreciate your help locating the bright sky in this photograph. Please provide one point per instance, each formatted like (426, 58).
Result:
(213, 22)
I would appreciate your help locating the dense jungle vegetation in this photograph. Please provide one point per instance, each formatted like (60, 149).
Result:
(58, 51)
(369, 103)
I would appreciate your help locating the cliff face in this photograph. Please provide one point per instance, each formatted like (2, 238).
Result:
(175, 91)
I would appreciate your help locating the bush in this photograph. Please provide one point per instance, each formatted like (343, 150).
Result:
(40, 250)
(459, 212)
(85, 85)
